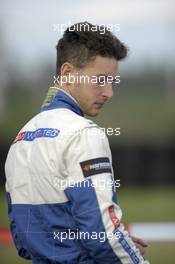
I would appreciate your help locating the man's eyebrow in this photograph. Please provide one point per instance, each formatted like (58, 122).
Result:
(106, 76)
(102, 74)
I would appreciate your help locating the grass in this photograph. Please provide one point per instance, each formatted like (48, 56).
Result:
(147, 204)
(3, 210)
(161, 253)
(8, 255)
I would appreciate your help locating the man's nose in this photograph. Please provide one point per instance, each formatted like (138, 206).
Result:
(107, 91)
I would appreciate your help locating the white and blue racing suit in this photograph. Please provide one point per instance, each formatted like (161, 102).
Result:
(60, 190)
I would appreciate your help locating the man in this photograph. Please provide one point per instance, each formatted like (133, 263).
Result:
(60, 186)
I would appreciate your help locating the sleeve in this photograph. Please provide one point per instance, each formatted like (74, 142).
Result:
(90, 193)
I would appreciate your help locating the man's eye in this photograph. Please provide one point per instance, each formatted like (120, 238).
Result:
(101, 80)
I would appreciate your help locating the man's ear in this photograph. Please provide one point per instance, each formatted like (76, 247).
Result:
(67, 69)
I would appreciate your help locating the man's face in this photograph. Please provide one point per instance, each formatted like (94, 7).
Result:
(94, 90)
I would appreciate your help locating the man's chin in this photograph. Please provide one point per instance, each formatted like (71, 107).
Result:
(92, 113)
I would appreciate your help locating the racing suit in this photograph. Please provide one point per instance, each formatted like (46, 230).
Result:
(60, 190)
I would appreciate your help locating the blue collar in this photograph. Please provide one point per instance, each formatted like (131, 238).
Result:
(60, 99)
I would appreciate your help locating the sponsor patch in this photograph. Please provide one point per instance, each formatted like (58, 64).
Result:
(113, 216)
(95, 166)
(40, 132)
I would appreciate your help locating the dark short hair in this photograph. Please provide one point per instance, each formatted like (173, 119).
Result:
(80, 46)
